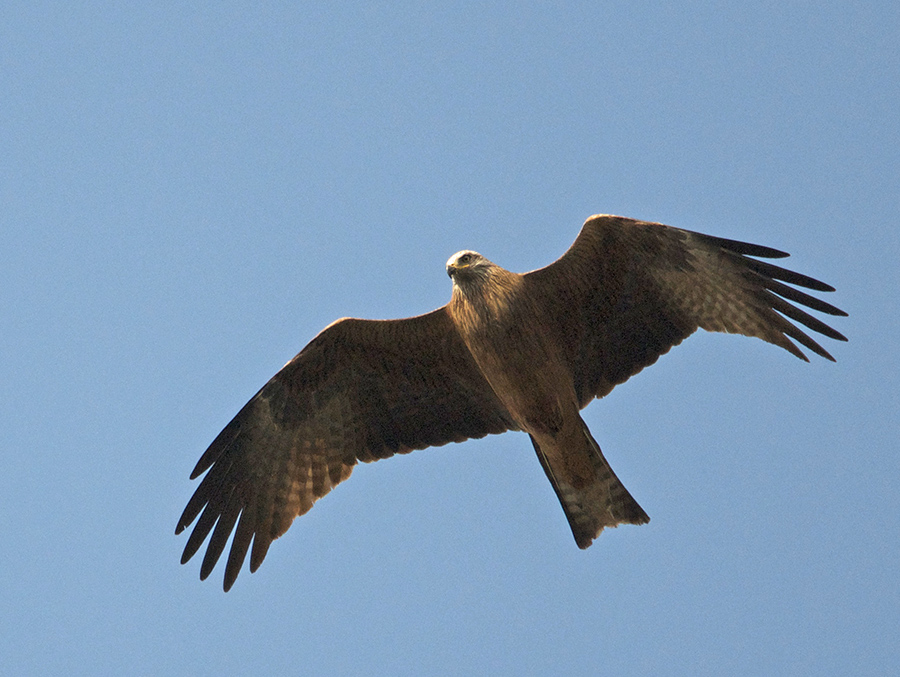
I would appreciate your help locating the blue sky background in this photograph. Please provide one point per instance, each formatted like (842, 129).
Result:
(188, 194)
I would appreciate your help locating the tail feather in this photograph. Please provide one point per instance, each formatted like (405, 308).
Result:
(603, 502)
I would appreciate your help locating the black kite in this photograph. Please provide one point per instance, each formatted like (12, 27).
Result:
(509, 352)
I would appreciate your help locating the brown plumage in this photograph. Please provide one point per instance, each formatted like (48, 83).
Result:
(509, 352)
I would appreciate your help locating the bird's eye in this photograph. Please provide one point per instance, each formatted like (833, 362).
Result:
(465, 258)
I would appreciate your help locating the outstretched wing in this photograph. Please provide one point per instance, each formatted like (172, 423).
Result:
(626, 291)
(360, 391)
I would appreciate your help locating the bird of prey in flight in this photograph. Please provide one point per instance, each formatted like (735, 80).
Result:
(508, 352)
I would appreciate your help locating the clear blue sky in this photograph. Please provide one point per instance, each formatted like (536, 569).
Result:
(188, 195)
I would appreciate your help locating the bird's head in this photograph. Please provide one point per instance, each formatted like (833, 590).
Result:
(467, 265)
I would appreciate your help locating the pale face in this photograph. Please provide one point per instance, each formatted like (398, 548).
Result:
(465, 262)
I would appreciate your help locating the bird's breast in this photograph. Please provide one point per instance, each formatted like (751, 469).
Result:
(521, 364)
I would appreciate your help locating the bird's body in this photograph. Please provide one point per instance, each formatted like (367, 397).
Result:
(529, 374)
(508, 352)
(497, 313)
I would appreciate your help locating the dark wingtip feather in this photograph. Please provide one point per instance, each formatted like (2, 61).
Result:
(259, 551)
(198, 535)
(219, 538)
(779, 294)
(768, 269)
(186, 556)
(189, 551)
(798, 335)
(239, 546)
(789, 276)
(191, 510)
(792, 348)
(745, 248)
(804, 318)
(219, 446)
(798, 296)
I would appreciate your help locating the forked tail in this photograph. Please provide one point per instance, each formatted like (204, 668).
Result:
(603, 502)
